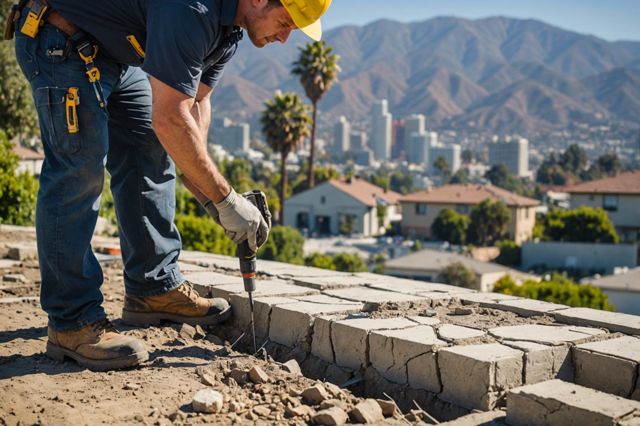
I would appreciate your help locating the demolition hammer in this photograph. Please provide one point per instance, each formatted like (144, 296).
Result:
(246, 256)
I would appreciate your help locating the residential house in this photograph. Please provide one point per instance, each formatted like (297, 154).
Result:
(623, 289)
(426, 265)
(336, 207)
(420, 209)
(619, 196)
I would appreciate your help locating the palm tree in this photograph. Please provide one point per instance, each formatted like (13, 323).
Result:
(285, 123)
(318, 69)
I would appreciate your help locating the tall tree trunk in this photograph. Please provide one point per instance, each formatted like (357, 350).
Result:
(311, 177)
(283, 185)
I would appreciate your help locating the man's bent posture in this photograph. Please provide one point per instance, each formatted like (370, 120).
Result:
(126, 84)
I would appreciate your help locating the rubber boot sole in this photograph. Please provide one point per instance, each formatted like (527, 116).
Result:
(59, 353)
(142, 319)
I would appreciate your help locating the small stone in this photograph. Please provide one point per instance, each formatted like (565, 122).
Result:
(333, 389)
(207, 376)
(388, 407)
(257, 375)
(428, 313)
(199, 333)
(370, 307)
(261, 410)
(330, 417)
(130, 386)
(251, 416)
(333, 403)
(187, 331)
(240, 376)
(463, 311)
(300, 411)
(207, 401)
(367, 411)
(14, 278)
(235, 406)
(315, 394)
(292, 367)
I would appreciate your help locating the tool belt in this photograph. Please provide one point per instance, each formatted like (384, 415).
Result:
(38, 13)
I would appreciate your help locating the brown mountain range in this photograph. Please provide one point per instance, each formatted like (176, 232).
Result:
(504, 75)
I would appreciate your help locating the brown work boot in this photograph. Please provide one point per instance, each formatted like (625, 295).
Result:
(181, 305)
(97, 346)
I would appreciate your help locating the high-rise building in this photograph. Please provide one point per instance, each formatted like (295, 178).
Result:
(358, 141)
(513, 153)
(381, 123)
(414, 124)
(419, 146)
(216, 130)
(398, 140)
(342, 134)
(236, 137)
(451, 154)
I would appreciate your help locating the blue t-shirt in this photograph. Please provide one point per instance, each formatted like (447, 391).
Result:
(176, 35)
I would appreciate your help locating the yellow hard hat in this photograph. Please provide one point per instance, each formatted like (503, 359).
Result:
(306, 15)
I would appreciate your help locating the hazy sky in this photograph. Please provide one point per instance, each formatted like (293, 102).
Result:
(608, 19)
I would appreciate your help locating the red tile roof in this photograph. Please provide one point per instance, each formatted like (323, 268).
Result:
(365, 192)
(27, 153)
(624, 183)
(469, 194)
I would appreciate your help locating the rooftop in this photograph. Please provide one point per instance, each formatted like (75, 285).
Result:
(366, 192)
(469, 194)
(629, 281)
(623, 183)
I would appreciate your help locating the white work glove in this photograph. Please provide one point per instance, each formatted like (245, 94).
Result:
(241, 220)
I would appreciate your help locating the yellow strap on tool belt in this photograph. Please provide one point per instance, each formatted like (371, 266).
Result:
(71, 102)
(35, 19)
(133, 41)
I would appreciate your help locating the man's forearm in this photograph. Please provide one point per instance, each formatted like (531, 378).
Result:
(184, 139)
(201, 112)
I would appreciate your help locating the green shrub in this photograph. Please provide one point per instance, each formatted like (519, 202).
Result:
(318, 260)
(203, 234)
(557, 290)
(349, 262)
(459, 275)
(285, 244)
(510, 253)
(18, 192)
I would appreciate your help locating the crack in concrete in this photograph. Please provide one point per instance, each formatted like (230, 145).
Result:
(634, 381)
(333, 351)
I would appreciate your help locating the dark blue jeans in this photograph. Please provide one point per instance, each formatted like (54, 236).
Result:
(142, 181)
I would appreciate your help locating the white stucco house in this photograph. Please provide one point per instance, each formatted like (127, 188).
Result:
(352, 206)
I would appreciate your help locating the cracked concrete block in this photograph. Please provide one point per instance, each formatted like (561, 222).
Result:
(377, 297)
(350, 342)
(321, 344)
(486, 300)
(529, 307)
(266, 288)
(542, 362)
(613, 321)
(546, 334)
(422, 372)
(331, 280)
(610, 366)
(476, 376)
(391, 350)
(457, 333)
(203, 281)
(417, 287)
(261, 310)
(555, 402)
(424, 320)
(291, 324)
(209, 260)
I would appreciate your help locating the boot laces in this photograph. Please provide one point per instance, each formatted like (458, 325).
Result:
(188, 291)
(103, 325)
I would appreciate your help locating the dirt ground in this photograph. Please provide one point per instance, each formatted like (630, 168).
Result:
(37, 390)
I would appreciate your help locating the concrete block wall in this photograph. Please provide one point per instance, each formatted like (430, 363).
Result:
(335, 318)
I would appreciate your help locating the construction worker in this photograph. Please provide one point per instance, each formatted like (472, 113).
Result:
(126, 84)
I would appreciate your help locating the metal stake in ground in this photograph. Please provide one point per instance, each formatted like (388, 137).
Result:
(248, 269)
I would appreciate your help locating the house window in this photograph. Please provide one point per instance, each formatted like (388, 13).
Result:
(323, 200)
(463, 209)
(421, 209)
(610, 203)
